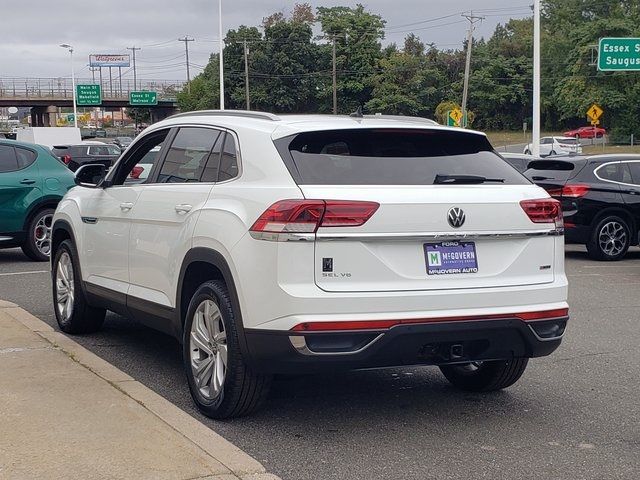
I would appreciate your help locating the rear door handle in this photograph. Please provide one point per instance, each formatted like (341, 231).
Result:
(126, 206)
(183, 208)
(27, 181)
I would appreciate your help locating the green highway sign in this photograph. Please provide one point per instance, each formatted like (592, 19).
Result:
(88, 95)
(143, 98)
(619, 54)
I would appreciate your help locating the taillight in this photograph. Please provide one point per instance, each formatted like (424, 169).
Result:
(543, 210)
(136, 171)
(306, 216)
(575, 190)
(66, 159)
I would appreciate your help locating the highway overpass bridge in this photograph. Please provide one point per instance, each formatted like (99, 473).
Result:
(45, 96)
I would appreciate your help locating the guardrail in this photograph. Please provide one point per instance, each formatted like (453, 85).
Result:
(61, 88)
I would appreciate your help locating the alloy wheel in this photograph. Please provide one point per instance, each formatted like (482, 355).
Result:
(65, 289)
(208, 347)
(42, 234)
(612, 238)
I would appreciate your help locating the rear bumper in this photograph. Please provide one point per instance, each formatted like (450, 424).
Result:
(419, 344)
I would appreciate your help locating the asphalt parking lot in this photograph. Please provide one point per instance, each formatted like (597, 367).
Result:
(573, 415)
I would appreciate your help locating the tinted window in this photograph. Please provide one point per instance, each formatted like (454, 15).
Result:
(229, 160)
(634, 167)
(567, 141)
(392, 157)
(210, 173)
(104, 150)
(188, 155)
(546, 141)
(615, 172)
(8, 160)
(25, 157)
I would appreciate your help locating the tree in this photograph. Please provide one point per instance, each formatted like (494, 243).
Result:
(357, 34)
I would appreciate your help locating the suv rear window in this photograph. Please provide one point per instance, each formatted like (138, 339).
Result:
(391, 157)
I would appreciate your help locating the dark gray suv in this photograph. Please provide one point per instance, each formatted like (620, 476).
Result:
(74, 156)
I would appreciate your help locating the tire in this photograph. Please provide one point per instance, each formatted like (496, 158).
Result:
(485, 376)
(610, 239)
(222, 390)
(77, 316)
(37, 246)
(552, 153)
(527, 152)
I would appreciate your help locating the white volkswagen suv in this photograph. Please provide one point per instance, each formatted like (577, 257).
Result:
(287, 244)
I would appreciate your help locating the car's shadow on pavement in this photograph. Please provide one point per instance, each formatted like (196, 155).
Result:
(576, 252)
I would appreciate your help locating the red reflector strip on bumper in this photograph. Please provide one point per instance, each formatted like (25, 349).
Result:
(386, 324)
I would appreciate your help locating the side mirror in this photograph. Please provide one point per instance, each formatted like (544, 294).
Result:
(90, 175)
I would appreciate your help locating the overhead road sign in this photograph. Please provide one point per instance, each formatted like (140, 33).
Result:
(619, 54)
(88, 95)
(143, 98)
(109, 60)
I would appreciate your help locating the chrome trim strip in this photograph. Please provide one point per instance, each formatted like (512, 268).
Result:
(90, 220)
(4, 239)
(300, 344)
(545, 339)
(364, 237)
(402, 236)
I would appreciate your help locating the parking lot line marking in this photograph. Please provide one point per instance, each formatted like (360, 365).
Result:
(23, 273)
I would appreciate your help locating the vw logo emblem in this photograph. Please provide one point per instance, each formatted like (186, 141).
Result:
(455, 217)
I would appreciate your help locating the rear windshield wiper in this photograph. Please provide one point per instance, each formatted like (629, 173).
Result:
(464, 179)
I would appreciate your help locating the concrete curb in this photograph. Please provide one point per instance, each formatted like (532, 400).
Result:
(241, 464)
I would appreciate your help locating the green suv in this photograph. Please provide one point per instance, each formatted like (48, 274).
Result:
(32, 182)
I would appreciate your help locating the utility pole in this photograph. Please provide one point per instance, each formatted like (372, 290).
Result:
(467, 68)
(135, 76)
(186, 41)
(535, 137)
(246, 75)
(335, 77)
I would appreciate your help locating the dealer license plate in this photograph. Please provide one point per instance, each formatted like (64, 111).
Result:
(450, 258)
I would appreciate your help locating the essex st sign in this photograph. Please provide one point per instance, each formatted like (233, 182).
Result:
(619, 54)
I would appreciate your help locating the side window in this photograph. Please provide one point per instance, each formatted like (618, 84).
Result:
(614, 172)
(187, 155)
(8, 160)
(139, 162)
(229, 160)
(210, 173)
(634, 167)
(25, 157)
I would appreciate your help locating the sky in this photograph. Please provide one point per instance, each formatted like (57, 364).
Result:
(32, 30)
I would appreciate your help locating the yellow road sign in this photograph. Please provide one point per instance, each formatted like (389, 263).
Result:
(594, 112)
(456, 116)
(595, 122)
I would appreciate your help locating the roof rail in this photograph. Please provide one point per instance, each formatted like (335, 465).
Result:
(403, 118)
(230, 113)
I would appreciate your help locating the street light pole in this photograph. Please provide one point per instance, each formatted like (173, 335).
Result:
(73, 85)
(221, 43)
(535, 140)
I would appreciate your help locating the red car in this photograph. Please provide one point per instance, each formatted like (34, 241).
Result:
(586, 132)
